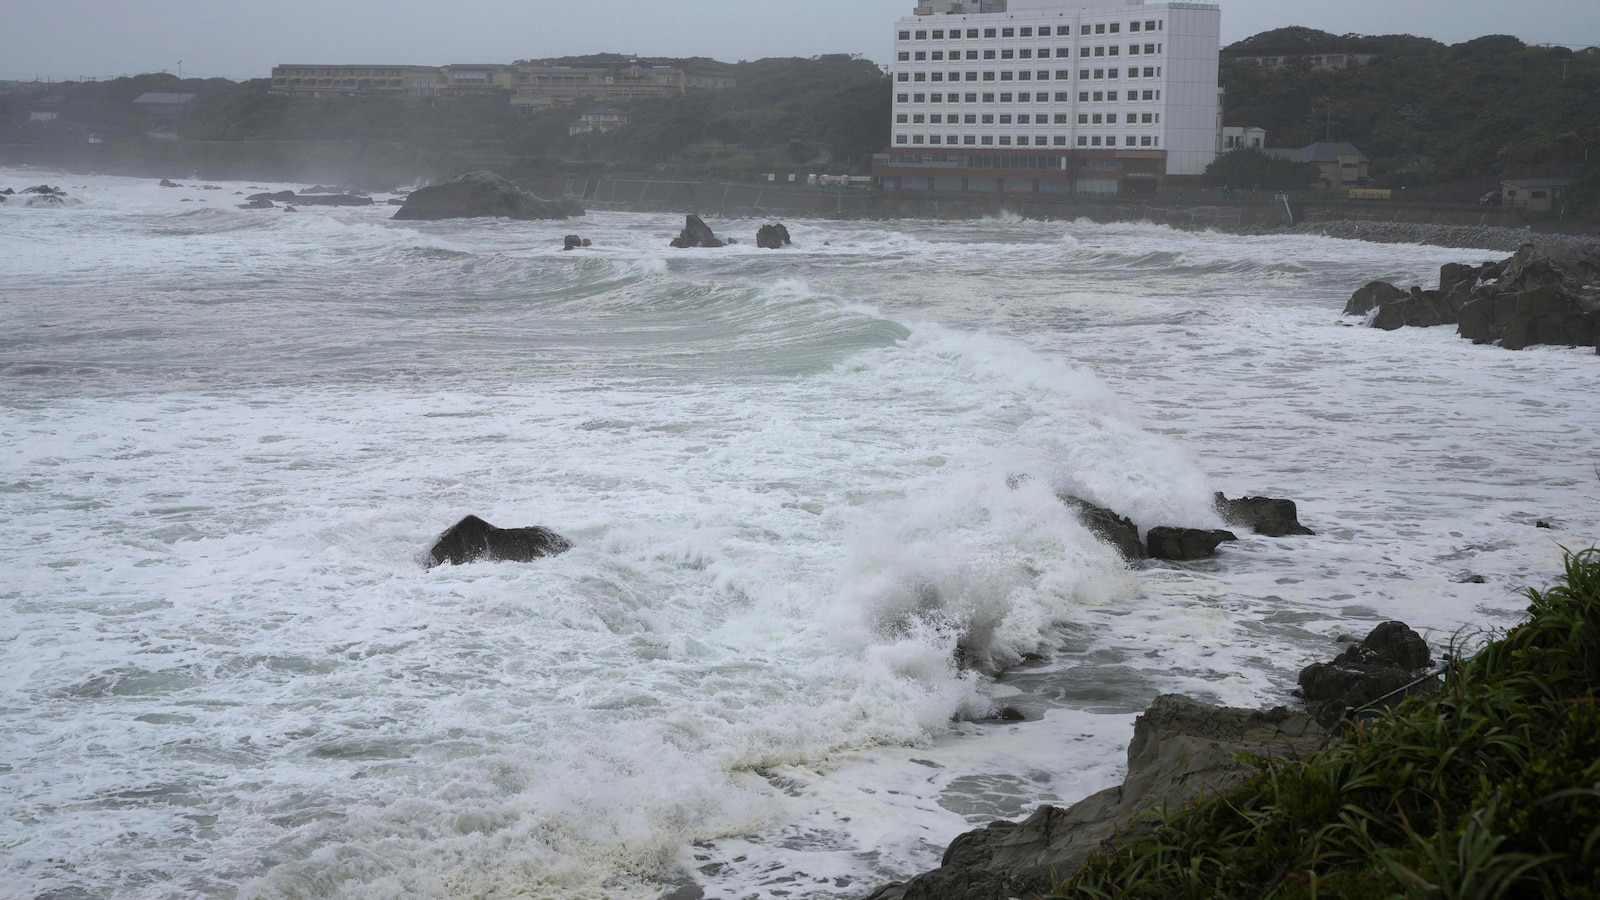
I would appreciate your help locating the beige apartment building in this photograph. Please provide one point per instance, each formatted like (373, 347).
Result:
(342, 80)
(542, 86)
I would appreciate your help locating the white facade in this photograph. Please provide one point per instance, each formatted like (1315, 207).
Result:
(1063, 75)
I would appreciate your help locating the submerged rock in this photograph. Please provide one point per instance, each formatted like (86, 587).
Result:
(696, 233)
(260, 203)
(480, 194)
(168, 184)
(280, 196)
(472, 539)
(1180, 748)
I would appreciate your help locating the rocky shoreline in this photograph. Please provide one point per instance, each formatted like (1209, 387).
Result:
(1471, 237)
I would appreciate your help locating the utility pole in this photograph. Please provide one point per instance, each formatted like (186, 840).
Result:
(180, 70)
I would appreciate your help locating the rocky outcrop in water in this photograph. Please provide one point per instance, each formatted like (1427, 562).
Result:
(1535, 297)
(168, 184)
(333, 200)
(1266, 516)
(1180, 748)
(279, 196)
(574, 242)
(772, 237)
(480, 194)
(258, 203)
(1118, 531)
(696, 233)
(1389, 659)
(472, 539)
(1185, 544)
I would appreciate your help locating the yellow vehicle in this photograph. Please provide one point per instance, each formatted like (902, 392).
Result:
(1370, 193)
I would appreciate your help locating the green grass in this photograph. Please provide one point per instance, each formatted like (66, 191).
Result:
(1489, 788)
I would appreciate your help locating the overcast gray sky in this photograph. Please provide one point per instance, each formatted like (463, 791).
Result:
(237, 39)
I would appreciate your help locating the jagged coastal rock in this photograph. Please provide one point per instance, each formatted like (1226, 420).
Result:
(772, 237)
(574, 242)
(1389, 659)
(472, 539)
(1118, 531)
(1180, 748)
(696, 233)
(1185, 544)
(479, 194)
(1535, 297)
(1267, 516)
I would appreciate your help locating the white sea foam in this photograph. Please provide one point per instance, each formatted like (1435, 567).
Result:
(798, 482)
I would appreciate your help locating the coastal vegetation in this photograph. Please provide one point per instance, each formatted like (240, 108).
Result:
(1487, 788)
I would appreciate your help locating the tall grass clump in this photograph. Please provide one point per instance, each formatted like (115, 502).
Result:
(1488, 788)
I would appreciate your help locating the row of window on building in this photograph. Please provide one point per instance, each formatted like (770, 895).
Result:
(1028, 31)
(1134, 96)
(1027, 119)
(1030, 75)
(1029, 53)
(1023, 140)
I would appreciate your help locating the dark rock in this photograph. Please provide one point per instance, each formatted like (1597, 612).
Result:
(574, 242)
(1266, 515)
(1472, 579)
(1387, 661)
(1542, 524)
(1419, 309)
(45, 190)
(290, 209)
(1011, 714)
(1543, 315)
(280, 196)
(1180, 749)
(168, 184)
(478, 194)
(696, 234)
(8, 192)
(1370, 297)
(772, 237)
(1118, 531)
(397, 201)
(472, 539)
(1184, 544)
(210, 187)
(262, 203)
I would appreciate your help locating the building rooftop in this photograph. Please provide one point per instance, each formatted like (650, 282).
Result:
(1537, 182)
(1320, 152)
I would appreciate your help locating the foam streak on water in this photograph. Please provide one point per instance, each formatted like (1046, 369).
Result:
(795, 480)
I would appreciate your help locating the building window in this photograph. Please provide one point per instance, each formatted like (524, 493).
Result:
(1133, 26)
(1113, 50)
(1098, 29)
(901, 119)
(970, 118)
(938, 76)
(1111, 96)
(1112, 73)
(900, 139)
(1024, 75)
(972, 54)
(988, 54)
(1083, 74)
(905, 36)
(938, 35)
(1099, 73)
(1149, 95)
(1130, 141)
(988, 118)
(903, 76)
(1005, 118)
(1061, 140)
(1146, 119)
(938, 56)
(972, 98)
(988, 32)
(1082, 141)
(988, 140)
(919, 98)
(1144, 141)
(988, 98)
(934, 139)
(1061, 118)
(1024, 98)
(1094, 140)
(1133, 49)
(917, 139)
(1099, 118)
(1005, 98)
(972, 76)
(1008, 32)
(1149, 48)
(972, 32)
(1111, 118)
(1027, 32)
(1064, 30)
(919, 118)
(922, 35)
(905, 55)
(1007, 54)
(1063, 97)
(936, 119)
(1083, 118)
(1116, 27)
(1098, 51)
(1005, 139)
(969, 140)
(1043, 74)
(988, 76)
(1007, 76)
(902, 98)
(955, 76)
(1083, 96)
(920, 76)
(921, 55)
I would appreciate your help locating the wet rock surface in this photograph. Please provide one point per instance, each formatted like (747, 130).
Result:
(1268, 516)
(1388, 660)
(473, 539)
(478, 195)
(696, 233)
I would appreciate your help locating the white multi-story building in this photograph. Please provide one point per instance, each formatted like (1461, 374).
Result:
(1055, 96)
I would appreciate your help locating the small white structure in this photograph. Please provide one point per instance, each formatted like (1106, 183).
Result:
(598, 121)
(1238, 138)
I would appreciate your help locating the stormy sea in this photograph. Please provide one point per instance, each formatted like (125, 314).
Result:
(796, 482)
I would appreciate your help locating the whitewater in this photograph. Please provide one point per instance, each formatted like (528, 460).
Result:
(795, 481)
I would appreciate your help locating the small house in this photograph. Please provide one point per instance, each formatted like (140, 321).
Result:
(1535, 195)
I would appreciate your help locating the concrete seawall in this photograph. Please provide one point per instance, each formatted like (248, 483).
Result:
(755, 200)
